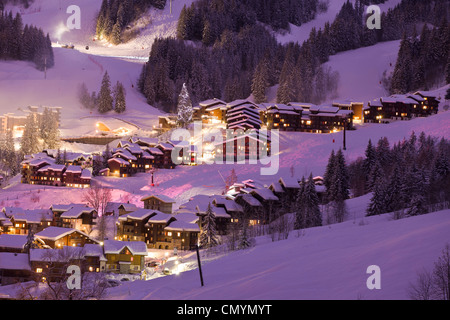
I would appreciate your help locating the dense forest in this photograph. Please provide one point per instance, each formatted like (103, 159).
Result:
(236, 55)
(116, 15)
(24, 43)
(410, 178)
(422, 59)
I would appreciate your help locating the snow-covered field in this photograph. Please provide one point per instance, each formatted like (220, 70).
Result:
(324, 263)
(329, 262)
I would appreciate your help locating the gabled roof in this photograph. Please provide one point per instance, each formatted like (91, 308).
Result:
(16, 241)
(140, 214)
(289, 183)
(160, 197)
(55, 233)
(265, 194)
(119, 160)
(115, 247)
(183, 226)
(14, 261)
(76, 210)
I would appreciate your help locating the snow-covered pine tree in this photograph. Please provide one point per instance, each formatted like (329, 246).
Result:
(208, 236)
(30, 144)
(244, 238)
(120, 104)
(377, 203)
(299, 207)
(105, 100)
(261, 81)
(313, 216)
(185, 111)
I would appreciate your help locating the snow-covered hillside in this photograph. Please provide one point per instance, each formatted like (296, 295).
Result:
(324, 263)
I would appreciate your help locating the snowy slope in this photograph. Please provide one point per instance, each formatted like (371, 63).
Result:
(325, 263)
(301, 33)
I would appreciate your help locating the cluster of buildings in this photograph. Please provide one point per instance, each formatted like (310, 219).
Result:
(307, 117)
(401, 107)
(16, 121)
(66, 230)
(43, 169)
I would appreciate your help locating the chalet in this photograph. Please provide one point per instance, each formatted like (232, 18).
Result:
(76, 216)
(356, 108)
(118, 209)
(51, 175)
(159, 202)
(29, 221)
(282, 117)
(119, 167)
(144, 141)
(5, 224)
(401, 107)
(249, 145)
(325, 119)
(57, 237)
(182, 235)
(131, 227)
(77, 177)
(212, 111)
(125, 257)
(243, 114)
(14, 268)
(30, 170)
(252, 208)
(166, 148)
(167, 123)
(155, 236)
(16, 243)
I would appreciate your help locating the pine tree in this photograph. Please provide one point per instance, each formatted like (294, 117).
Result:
(377, 203)
(299, 207)
(105, 100)
(244, 239)
(119, 98)
(208, 236)
(261, 82)
(185, 111)
(30, 144)
(313, 215)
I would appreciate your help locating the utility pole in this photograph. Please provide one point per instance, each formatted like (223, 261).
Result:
(170, 6)
(199, 265)
(345, 133)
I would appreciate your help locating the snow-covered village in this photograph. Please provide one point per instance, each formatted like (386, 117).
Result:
(224, 150)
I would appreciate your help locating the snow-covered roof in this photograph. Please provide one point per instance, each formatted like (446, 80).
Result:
(120, 161)
(183, 226)
(160, 197)
(165, 146)
(211, 102)
(276, 187)
(139, 214)
(16, 241)
(53, 167)
(186, 216)
(155, 151)
(250, 200)
(76, 211)
(66, 254)
(160, 217)
(116, 246)
(32, 216)
(74, 169)
(86, 174)
(14, 261)
(94, 250)
(265, 194)
(55, 233)
(289, 182)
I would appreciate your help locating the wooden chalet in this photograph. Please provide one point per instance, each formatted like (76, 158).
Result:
(14, 268)
(155, 236)
(243, 114)
(26, 221)
(16, 243)
(131, 226)
(212, 111)
(77, 177)
(182, 235)
(57, 237)
(159, 202)
(76, 216)
(119, 209)
(125, 257)
(242, 146)
(401, 107)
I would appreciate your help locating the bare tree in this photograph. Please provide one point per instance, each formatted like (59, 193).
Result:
(98, 197)
(433, 285)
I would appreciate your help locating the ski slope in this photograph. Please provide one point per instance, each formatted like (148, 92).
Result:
(325, 263)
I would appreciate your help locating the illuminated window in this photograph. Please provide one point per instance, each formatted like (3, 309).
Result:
(38, 270)
(169, 234)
